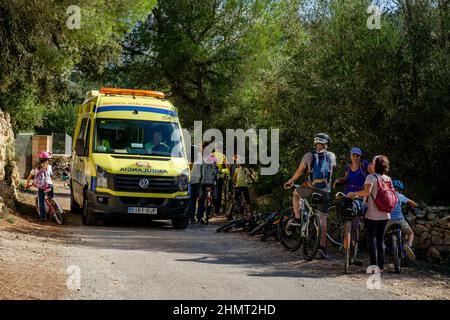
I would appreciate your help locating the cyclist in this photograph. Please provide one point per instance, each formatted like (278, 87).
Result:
(194, 183)
(208, 178)
(41, 174)
(320, 164)
(241, 179)
(375, 220)
(355, 172)
(398, 218)
(221, 174)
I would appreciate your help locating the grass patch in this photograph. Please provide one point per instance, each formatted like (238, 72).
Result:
(11, 220)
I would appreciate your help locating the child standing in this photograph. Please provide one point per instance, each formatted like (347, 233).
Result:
(398, 218)
(41, 176)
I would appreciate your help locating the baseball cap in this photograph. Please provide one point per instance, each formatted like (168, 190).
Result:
(356, 151)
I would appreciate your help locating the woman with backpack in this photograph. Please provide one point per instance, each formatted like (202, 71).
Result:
(41, 176)
(355, 172)
(380, 201)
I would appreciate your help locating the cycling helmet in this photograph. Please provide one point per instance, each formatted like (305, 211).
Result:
(398, 184)
(45, 155)
(322, 138)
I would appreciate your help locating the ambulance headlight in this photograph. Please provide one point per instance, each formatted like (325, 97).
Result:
(183, 181)
(102, 177)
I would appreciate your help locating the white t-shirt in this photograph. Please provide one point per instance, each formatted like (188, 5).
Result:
(372, 210)
(34, 172)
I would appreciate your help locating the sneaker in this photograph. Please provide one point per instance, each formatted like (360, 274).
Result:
(323, 252)
(409, 252)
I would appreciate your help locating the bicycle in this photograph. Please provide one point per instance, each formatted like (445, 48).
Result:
(293, 235)
(243, 219)
(396, 241)
(209, 203)
(52, 207)
(237, 205)
(268, 226)
(351, 212)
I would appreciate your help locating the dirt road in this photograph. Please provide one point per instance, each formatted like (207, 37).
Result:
(128, 260)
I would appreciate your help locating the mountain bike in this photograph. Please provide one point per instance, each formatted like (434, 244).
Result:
(209, 203)
(238, 206)
(52, 208)
(396, 243)
(351, 213)
(293, 235)
(268, 226)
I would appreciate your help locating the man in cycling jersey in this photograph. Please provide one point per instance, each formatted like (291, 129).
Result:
(326, 161)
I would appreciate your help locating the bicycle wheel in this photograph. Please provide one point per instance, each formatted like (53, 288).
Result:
(290, 236)
(347, 242)
(396, 253)
(351, 247)
(269, 233)
(58, 213)
(312, 237)
(334, 226)
(259, 228)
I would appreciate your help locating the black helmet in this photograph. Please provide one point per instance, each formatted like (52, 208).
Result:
(322, 138)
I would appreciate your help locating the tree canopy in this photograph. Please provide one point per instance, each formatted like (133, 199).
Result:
(301, 66)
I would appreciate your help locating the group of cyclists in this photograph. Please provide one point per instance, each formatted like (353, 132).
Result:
(214, 173)
(382, 198)
(363, 180)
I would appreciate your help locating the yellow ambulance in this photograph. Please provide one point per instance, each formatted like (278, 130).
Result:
(129, 158)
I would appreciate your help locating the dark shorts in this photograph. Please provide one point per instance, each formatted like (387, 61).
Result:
(305, 192)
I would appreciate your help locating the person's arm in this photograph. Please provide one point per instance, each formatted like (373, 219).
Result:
(364, 193)
(298, 173)
(340, 180)
(29, 178)
(412, 203)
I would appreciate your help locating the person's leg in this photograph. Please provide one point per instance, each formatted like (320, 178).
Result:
(201, 203)
(380, 232)
(371, 227)
(51, 193)
(406, 229)
(41, 199)
(218, 201)
(299, 194)
(193, 201)
(323, 213)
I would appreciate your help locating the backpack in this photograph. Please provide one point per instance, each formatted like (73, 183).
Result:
(208, 173)
(321, 167)
(386, 199)
(41, 178)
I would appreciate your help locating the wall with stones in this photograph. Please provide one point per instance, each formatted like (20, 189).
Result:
(59, 163)
(9, 175)
(431, 226)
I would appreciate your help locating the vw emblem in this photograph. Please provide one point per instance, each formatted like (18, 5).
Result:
(144, 183)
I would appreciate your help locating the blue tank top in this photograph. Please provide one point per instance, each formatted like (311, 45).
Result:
(355, 179)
